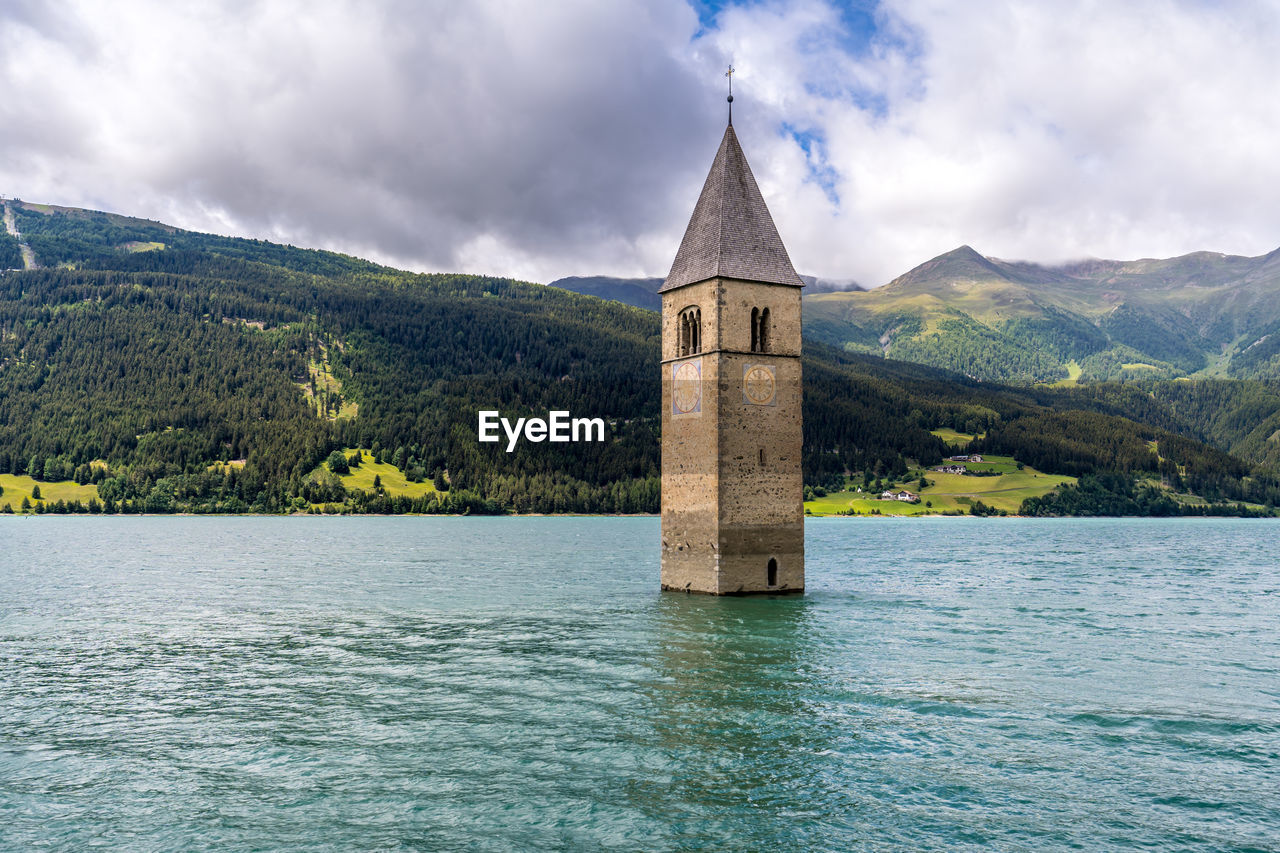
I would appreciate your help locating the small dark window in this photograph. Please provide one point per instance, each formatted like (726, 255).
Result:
(762, 457)
(759, 329)
(773, 572)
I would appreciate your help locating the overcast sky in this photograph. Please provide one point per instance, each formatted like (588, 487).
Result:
(571, 137)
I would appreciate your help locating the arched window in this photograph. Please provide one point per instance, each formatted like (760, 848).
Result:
(759, 329)
(773, 572)
(690, 331)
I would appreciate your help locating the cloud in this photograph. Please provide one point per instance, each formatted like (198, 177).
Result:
(1035, 131)
(540, 140)
(548, 135)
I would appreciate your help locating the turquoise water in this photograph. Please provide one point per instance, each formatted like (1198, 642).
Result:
(518, 683)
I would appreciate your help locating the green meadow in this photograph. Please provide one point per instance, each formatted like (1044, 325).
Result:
(19, 486)
(392, 479)
(1074, 372)
(953, 438)
(324, 390)
(947, 493)
(142, 246)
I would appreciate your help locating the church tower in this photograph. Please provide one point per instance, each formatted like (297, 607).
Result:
(732, 493)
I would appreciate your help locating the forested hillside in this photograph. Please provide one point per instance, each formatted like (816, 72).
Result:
(180, 371)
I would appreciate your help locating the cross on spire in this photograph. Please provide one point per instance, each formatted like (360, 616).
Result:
(729, 74)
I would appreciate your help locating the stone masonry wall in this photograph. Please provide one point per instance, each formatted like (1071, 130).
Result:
(690, 475)
(725, 513)
(734, 302)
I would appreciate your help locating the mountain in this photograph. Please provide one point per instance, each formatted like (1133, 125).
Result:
(814, 284)
(1199, 315)
(640, 292)
(159, 356)
(185, 371)
(643, 292)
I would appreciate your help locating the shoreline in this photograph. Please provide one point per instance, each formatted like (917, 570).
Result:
(833, 516)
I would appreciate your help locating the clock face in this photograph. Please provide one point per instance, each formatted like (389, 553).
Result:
(759, 385)
(686, 387)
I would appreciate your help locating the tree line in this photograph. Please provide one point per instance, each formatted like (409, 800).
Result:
(144, 371)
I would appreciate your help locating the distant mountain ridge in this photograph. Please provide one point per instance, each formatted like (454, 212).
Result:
(643, 292)
(638, 292)
(1203, 314)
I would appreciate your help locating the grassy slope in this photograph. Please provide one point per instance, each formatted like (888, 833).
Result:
(949, 492)
(953, 438)
(17, 487)
(327, 384)
(394, 483)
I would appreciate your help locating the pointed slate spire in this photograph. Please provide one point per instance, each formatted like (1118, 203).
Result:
(731, 234)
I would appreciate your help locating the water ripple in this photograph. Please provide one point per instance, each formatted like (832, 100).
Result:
(511, 684)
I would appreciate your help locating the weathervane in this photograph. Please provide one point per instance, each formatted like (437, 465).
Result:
(729, 74)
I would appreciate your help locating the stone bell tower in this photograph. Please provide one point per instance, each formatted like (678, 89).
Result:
(732, 493)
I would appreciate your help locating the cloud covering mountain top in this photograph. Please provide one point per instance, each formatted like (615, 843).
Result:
(542, 140)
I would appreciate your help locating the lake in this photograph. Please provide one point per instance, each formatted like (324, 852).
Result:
(261, 683)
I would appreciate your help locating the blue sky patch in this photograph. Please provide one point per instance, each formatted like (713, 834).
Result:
(820, 172)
